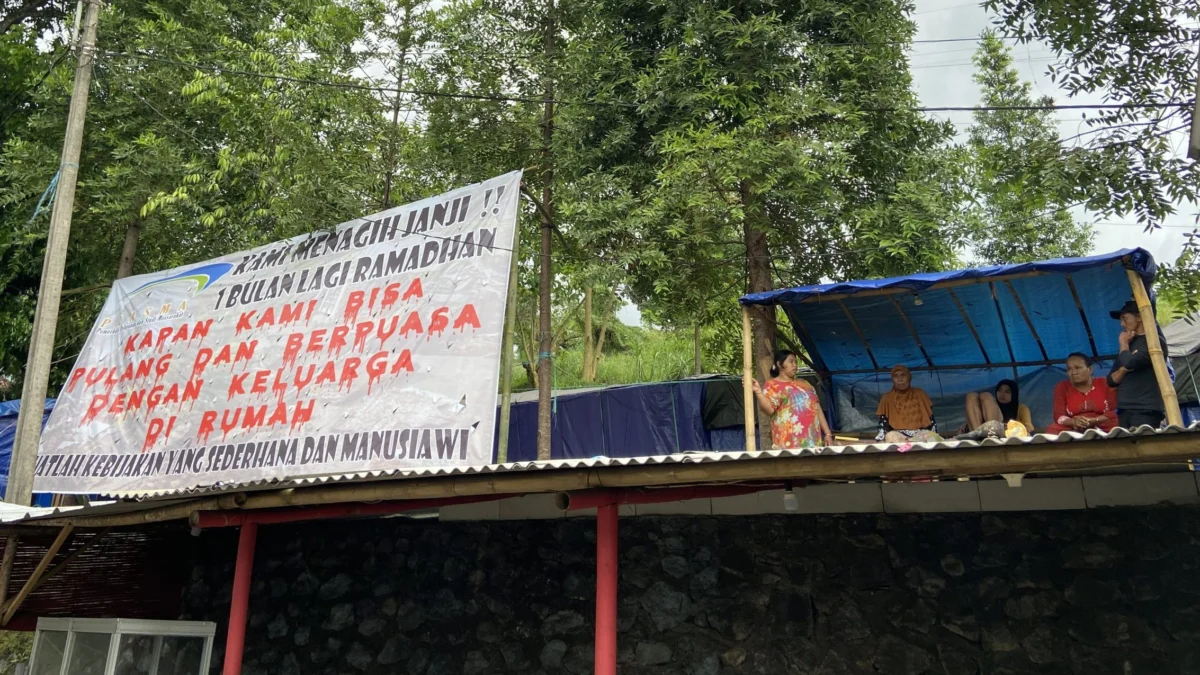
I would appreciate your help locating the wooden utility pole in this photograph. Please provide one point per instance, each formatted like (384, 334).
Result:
(45, 318)
(546, 213)
(506, 348)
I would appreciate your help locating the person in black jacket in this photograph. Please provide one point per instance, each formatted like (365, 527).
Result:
(1139, 400)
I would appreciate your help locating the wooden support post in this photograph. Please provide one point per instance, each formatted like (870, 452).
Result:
(38, 571)
(6, 568)
(1150, 324)
(748, 379)
(506, 348)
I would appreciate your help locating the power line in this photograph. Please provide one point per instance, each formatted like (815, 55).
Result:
(621, 104)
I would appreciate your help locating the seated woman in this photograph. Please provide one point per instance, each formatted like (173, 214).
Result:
(796, 417)
(905, 412)
(1083, 402)
(1004, 407)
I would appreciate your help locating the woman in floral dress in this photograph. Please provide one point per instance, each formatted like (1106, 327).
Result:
(796, 417)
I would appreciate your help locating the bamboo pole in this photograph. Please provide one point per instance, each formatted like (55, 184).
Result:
(6, 568)
(155, 515)
(506, 347)
(38, 571)
(1157, 359)
(748, 379)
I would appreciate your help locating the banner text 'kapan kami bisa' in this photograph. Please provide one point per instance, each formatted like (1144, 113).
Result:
(372, 346)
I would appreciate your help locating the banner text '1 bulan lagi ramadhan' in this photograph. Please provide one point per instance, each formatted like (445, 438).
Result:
(372, 346)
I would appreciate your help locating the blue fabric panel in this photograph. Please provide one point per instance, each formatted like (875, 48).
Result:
(833, 335)
(733, 439)
(689, 402)
(640, 421)
(878, 316)
(578, 427)
(1021, 319)
(1020, 337)
(977, 301)
(522, 432)
(939, 323)
(1050, 307)
(1100, 292)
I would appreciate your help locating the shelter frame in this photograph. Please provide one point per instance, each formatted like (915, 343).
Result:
(1007, 314)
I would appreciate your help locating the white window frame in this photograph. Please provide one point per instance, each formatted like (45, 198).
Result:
(119, 627)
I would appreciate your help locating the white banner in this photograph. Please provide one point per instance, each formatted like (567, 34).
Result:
(375, 345)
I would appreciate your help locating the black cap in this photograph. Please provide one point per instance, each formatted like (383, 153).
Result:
(1130, 307)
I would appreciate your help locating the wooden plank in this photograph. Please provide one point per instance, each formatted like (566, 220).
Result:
(10, 556)
(1028, 321)
(967, 320)
(1083, 316)
(34, 578)
(747, 379)
(911, 329)
(1161, 374)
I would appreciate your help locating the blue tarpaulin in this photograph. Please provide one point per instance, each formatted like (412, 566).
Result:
(8, 432)
(961, 331)
(629, 421)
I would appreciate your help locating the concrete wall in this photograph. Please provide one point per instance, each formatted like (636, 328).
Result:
(1096, 592)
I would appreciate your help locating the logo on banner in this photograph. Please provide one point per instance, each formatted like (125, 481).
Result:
(199, 277)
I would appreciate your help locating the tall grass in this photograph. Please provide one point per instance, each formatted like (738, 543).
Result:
(645, 355)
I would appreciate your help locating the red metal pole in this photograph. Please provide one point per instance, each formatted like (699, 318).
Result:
(606, 590)
(235, 638)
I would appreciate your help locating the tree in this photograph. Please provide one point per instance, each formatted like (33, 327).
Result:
(1139, 57)
(204, 133)
(1019, 173)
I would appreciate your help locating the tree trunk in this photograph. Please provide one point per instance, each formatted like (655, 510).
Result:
(586, 373)
(758, 276)
(546, 339)
(133, 232)
(699, 362)
(596, 351)
(599, 351)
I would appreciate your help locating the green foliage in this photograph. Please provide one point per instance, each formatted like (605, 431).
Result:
(1021, 176)
(202, 160)
(15, 647)
(638, 355)
(1141, 54)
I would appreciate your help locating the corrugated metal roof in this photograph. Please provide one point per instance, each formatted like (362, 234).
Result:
(679, 458)
(135, 502)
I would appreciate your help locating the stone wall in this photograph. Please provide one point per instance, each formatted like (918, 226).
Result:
(1097, 593)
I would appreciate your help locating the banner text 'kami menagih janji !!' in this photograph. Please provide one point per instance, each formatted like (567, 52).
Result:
(372, 346)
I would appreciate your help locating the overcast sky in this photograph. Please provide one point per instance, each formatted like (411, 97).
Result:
(942, 73)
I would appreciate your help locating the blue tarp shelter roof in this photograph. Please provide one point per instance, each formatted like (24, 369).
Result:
(963, 330)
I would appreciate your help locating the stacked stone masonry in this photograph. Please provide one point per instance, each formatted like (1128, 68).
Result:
(1103, 592)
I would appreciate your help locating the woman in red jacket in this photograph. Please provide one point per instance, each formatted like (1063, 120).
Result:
(1083, 402)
